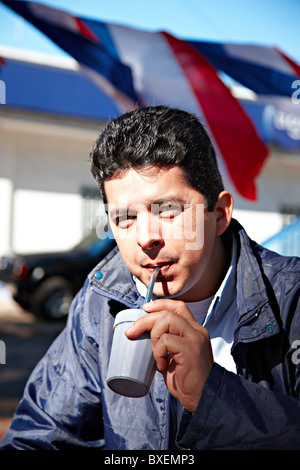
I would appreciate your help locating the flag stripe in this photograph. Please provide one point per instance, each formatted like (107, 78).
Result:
(83, 29)
(101, 30)
(295, 67)
(158, 77)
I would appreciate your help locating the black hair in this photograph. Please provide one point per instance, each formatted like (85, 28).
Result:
(158, 136)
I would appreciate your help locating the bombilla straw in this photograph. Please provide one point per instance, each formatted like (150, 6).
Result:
(151, 284)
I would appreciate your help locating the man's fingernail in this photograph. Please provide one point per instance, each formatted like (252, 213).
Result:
(147, 305)
(130, 329)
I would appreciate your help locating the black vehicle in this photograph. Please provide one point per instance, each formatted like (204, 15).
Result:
(46, 283)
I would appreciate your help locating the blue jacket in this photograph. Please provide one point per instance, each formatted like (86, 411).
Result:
(67, 405)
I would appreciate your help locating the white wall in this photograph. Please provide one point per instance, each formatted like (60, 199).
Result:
(45, 221)
(43, 166)
(277, 185)
(5, 213)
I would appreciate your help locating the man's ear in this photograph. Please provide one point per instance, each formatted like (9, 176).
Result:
(223, 210)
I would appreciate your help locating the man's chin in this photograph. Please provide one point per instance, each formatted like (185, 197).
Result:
(166, 290)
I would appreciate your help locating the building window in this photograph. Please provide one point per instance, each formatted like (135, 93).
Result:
(91, 201)
(290, 212)
(287, 241)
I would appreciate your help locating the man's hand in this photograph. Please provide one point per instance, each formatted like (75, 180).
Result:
(181, 348)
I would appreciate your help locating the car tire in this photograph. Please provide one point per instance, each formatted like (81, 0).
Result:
(53, 298)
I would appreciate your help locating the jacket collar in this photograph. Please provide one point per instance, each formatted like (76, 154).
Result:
(256, 316)
(112, 279)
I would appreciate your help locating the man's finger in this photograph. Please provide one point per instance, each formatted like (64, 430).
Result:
(141, 325)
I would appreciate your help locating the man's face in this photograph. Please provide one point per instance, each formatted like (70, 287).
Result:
(158, 219)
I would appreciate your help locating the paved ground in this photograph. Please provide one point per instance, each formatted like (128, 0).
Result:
(26, 339)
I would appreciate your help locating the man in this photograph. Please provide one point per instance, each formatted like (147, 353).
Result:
(224, 318)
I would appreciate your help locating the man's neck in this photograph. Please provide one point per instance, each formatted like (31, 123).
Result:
(218, 266)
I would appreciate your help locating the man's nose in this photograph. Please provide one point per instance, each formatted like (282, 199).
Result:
(149, 233)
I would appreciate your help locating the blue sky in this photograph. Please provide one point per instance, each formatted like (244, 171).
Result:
(266, 22)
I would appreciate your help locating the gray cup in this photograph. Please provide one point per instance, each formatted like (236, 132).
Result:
(131, 366)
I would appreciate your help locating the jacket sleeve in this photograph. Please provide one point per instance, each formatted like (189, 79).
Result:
(234, 413)
(61, 407)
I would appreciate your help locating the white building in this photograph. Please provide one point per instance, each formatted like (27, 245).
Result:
(49, 120)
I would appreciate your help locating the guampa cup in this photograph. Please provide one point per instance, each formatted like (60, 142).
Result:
(132, 365)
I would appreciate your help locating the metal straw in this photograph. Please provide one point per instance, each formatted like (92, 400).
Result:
(151, 284)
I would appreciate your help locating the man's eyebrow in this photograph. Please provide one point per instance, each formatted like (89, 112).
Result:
(120, 210)
(170, 200)
(113, 212)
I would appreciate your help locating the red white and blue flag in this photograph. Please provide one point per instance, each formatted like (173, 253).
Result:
(140, 68)
(265, 70)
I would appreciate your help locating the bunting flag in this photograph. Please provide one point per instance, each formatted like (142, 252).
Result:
(76, 37)
(265, 70)
(140, 68)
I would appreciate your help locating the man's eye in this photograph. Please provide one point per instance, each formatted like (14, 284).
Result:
(170, 210)
(124, 221)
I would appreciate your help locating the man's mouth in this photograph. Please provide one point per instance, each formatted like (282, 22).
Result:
(164, 268)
